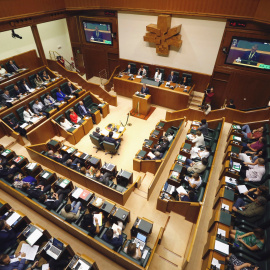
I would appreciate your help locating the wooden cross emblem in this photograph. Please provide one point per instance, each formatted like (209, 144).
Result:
(163, 35)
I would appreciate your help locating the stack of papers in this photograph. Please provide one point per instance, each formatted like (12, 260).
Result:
(76, 194)
(144, 254)
(83, 265)
(115, 135)
(236, 127)
(151, 155)
(13, 218)
(230, 180)
(24, 125)
(30, 252)
(45, 175)
(120, 129)
(181, 190)
(224, 248)
(242, 189)
(221, 232)
(105, 132)
(195, 123)
(45, 266)
(115, 230)
(64, 183)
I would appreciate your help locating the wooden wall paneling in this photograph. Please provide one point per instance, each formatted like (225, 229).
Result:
(73, 29)
(39, 44)
(262, 13)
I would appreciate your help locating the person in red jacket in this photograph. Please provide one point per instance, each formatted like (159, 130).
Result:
(74, 117)
(209, 95)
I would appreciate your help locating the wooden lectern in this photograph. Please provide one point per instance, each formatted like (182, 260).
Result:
(141, 105)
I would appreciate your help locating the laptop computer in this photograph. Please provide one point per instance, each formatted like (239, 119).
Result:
(140, 240)
(34, 236)
(55, 249)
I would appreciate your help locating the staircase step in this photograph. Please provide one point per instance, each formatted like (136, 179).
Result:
(194, 107)
(198, 94)
(195, 102)
(197, 98)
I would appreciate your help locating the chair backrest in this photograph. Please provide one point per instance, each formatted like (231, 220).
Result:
(67, 113)
(57, 119)
(87, 101)
(76, 108)
(31, 103)
(201, 193)
(188, 76)
(20, 113)
(110, 147)
(19, 83)
(11, 116)
(31, 77)
(176, 73)
(9, 87)
(33, 84)
(133, 66)
(40, 73)
(42, 98)
(147, 70)
(94, 140)
(53, 92)
(63, 87)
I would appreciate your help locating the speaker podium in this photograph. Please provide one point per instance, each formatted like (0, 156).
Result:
(141, 105)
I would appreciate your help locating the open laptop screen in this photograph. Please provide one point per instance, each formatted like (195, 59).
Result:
(58, 244)
(141, 237)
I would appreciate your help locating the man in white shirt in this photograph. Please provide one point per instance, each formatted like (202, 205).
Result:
(39, 108)
(2, 71)
(255, 172)
(199, 139)
(142, 71)
(200, 154)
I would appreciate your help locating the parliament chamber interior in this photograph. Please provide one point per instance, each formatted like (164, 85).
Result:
(134, 135)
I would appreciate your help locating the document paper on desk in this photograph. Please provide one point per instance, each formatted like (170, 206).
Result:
(221, 232)
(24, 125)
(216, 263)
(99, 218)
(13, 218)
(242, 189)
(120, 129)
(225, 206)
(45, 175)
(144, 254)
(83, 265)
(115, 231)
(105, 132)
(224, 248)
(30, 252)
(115, 135)
(34, 236)
(180, 190)
(230, 180)
(76, 194)
(45, 266)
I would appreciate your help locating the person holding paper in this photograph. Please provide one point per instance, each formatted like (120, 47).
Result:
(195, 181)
(199, 139)
(110, 139)
(83, 111)
(49, 101)
(255, 146)
(196, 167)
(253, 159)
(200, 154)
(158, 76)
(252, 240)
(8, 236)
(203, 127)
(72, 211)
(88, 223)
(114, 237)
(252, 211)
(253, 173)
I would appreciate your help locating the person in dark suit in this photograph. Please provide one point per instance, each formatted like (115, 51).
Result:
(70, 90)
(114, 241)
(83, 111)
(12, 67)
(25, 88)
(231, 104)
(157, 154)
(5, 97)
(36, 191)
(145, 90)
(8, 172)
(57, 158)
(184, 81)
(17, 92)
(8, 236)
(172, 78)
(162, 146)
(97, 35)
(111, 139)
(129, 70)
(252, 55)
(16, 127)
(98, 135)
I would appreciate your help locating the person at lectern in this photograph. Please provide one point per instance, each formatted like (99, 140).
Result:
(129, 70)
(142, 71)
(252, 55)
(145, 90)
(97, 35)
(172, 78)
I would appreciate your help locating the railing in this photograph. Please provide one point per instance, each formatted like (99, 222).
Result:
(103, 76)
(70, 66)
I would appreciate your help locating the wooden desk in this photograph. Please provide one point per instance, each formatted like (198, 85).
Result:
(226, 194)
(20, 72)
(220, 217)
(226, 172)
(143, 226)
(234, 141)
(141, 104)
(223, 183)
(208, 257)
(107, 128)
(163, 96)
(185, 150)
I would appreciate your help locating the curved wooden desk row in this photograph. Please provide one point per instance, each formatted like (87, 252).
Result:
(4, 207)
(153, 165)
(110, 193)
(96, 245)
(162, 96)
(190, 210)
(231, 115)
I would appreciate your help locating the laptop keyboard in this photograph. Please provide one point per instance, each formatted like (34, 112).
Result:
(55, 250)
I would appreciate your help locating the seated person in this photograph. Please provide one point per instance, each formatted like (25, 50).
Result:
(3, 161)
(162, 146)
(142, 71)
(83, 111)
(8, 173)
(2, 71)
(203, 127)
(253, 159)
(38, 81)
(253, 173)
(129, 70)
(54, 201)
(170, 136)
(98, 135)
(25, 88)
(190, 197)
(5, 99)
(74, 117)
(252, 211)
(75, 165)
(115, 238)
(65, 124)
(199, 139)
(57, 157)
(195, 181)
(205, 153)
(60, 96)
(206, 108)
(255, 134)
(158, 76)
(172, 77)
(17, 92)
(35, 191)
(70, 90)
(19, 180)
(96, 173)
(231, 104)
(237, 264)
(39, 108)
(110, 139)
(28, 115)
(255, 146)
(251, 194)
(145, 90)
(184, 81)
(49, 101)
(196, 167)
(8, 236)
(252, 240)
(157, 156)
(72, 211)
(13, 263)
(88, 223)
(12, 67)
(133, 251)
(45, 76)
(16, 127)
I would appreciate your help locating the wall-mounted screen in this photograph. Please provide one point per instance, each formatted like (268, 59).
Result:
(249, 52)
(96, 32)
